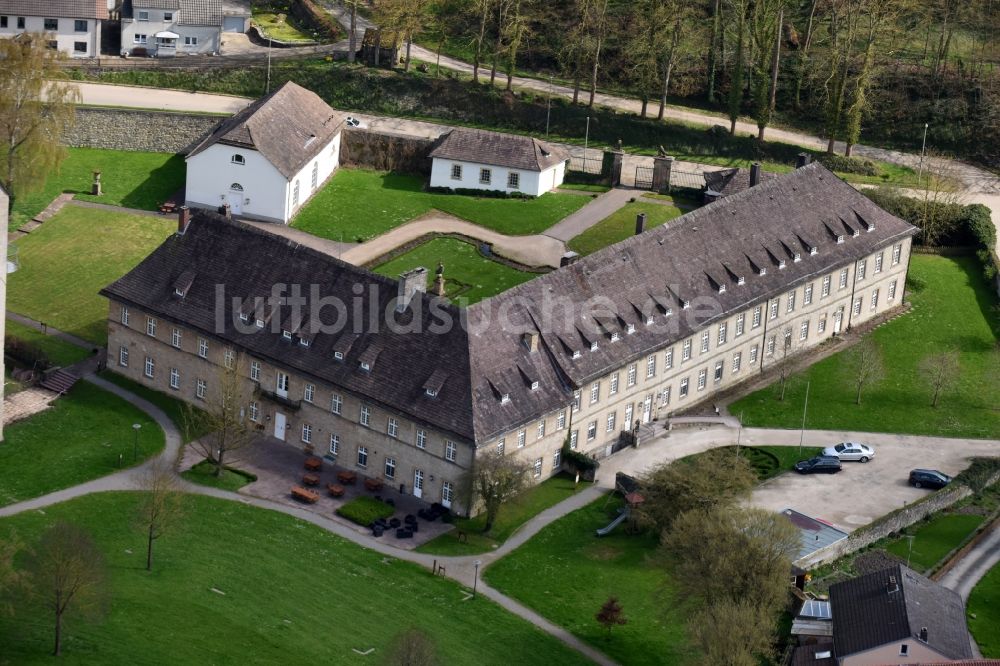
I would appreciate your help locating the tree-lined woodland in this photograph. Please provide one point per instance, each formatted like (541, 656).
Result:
(844, 68)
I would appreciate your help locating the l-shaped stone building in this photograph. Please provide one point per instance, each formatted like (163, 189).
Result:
(409, 388)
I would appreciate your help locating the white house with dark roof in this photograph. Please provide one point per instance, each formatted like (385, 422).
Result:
(267, 160)
(72, 26)
(165, 28)
(479, 160)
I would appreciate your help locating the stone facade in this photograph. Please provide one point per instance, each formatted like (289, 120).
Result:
(124, 129)
(386, 152)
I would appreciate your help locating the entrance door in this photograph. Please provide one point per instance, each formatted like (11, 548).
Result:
(838, 317)
(418, 483)
(235, 199)
(281, 388)
(279, 426)
(647, 408)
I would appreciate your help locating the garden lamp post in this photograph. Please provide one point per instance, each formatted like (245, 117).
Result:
(135, 443)
(475, 579)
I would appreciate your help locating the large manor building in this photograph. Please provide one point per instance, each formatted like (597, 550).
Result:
(407, 387)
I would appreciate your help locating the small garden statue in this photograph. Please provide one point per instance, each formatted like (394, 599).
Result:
(439, 280)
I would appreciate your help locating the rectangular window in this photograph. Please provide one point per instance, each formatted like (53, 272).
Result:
(630, 375)
(421, 439)
(874, 299)
(366, 415)
(200, 388)
(540, 431)
(124, 317)
(307, 433)
(123, 356)
(686, 350)
(737, 360)
(254, 410)
(501, 445)
(334, 444)
(685, 383)
(592, 431)
(520, 438)
(561, 420)
(739, 323)
(449, 450)
(576, 401)
(138, 39)
(892, 290)
(150, 367)
(804, 330)
(390, 468)
(704, 341)
(392, 428)
(613, 384)
(20, 23)
(175, 378)
(610, 425)
(168, 17)
(255, 370)
(718, 371)
(336, 403)
(447, 493)
(314, 177)
(78, 26)
(557, 459)
(878, 263)
(629, 410)
(362, 456)
(456, 172)
(702, 378)
(175, 337)
(790, 302)
(51, 24)
(79, 47)
(770, 346)
(190, 41)
(753, 354)
(203, 347)
(3, 21)
(857, 306)
(723, 333)
(309, 392)
(151, 326)
(229, 358)
(825, 290)
(862, 266)
(595, 392)
(897, 251)
(821, 324)
(756, 316)
(142, 15)
(807, 294)
(485, 176)
(513, 180)
(843, 279)
(666, 396)
(668, 359)
(650, 366)
(774, 310)
(536, 469)
(574, 437)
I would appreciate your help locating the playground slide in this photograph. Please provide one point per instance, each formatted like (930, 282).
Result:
(622, 516)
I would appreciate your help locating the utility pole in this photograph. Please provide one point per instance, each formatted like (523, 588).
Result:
(923, 148)
(586, 142)
(548, 108)
(267, 84)
(805, 406)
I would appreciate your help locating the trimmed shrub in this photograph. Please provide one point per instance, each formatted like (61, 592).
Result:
(470, 192)
(849, 165)
(365, 510)
(578, 462)
(25, 353)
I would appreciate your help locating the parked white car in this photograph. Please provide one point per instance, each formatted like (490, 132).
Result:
(850, 451)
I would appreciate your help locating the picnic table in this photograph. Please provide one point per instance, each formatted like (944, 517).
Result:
(373, 484)
(347, 478)
(314, 464)
(335, 490)
(310, 479)
(168, 207)
(304, 495)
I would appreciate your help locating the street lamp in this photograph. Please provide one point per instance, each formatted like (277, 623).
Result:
(475, 579)
(135, 443)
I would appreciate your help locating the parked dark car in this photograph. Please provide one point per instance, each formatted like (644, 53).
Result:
(929, 478)
(819, 465)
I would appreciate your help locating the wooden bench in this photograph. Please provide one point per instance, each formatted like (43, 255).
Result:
(373, 484)
(347, 478)
(310, 479)
(314, 464)
(335, 490)
(304, 495)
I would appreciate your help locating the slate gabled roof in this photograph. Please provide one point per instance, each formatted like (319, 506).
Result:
(731, 181)
(289, 127)
(496, 149)
(81, 9)
(893, 605)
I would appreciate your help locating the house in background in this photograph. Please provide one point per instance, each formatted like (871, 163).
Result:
(479, 160)
(235, 15)
(267, 160)
(165, 28)
(897, 616)
(72, 26)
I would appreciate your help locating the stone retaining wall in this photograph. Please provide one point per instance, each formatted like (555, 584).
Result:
(386, 152)
(138, 130)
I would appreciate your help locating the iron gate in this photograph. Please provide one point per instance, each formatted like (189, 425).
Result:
(644, 178)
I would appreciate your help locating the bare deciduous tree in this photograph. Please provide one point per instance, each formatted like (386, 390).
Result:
(407, 17)
(11, 578)
(67, 574)
(497, 479)
(160, 508)
(863, 366)
(732, 632)
(221, 429)
(412, 647)
(940, 371)
(611, 614)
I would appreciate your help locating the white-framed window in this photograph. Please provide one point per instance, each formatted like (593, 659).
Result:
(203, 347)
(390, 468)
(862, 266)
(740, 318)
(392, 427)
(139, 38)
(610, 423)
(630, 375)
(255, 370)
(753, 355)
(574, 437)
(723, 333)
(456, 172)
(843, 279)
(821, 325)
(807, 294)
(897, 251)
(536, 468)
(485, 176)
(78, 25)
(307, 433)
(150, 367)
(718, 371)
(175, 337)
(878, 263)
(362, 456)
(365, 416)
(450, 450)
(254, 410)
(857, 306)
(904, 650)
(825, 290)
(200, 389)
(334, 444)
(650, 366)
(151, 326)
(737, 361)
(592, 431)
(702, 378)
(520, 438)
(874, 299)
(629, 411)
(501, 445)
(892, 291)
(540, 431)
(168, 17)
(124, 317)
(773, 314)
(686, 350)
(685, 386)
(190, 41)
(804, 330)
(421, 441)
(123, 356)
(314, 177)
(513, 180)
(295, 194)
(595, 392)
(309, 392)
(557, 459)
(51, 24)
(757, 312)
(790, 302)
(668, 359)
(142, 15)
(770, 346)
(336, 403)
(705, 337)
(175, 378)
(613, 384)
(447, 493)
(229, 357)
(561, 420)
(79, 47)
(237, 159)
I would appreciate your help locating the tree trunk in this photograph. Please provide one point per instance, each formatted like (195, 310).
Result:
(437, 66)
(352, 41)
(736, 86)
(576, 81)
(409, 43)
(149, 549)
(847, 149)
(57, 649)
(593, 74)
(668, 69)
(479, 43)
(937, 393)
(857, 399)
(221, 464)
(805, 55)
(645, 103)
(713, 48)
(775, 63)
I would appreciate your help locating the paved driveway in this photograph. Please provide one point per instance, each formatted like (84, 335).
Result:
(849, 499)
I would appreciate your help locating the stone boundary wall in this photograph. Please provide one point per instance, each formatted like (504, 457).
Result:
(386, 152)
(138, 130)
(889, 524)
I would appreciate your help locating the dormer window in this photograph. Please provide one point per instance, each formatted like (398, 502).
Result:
(614, 336)
(762, 271)
(303, 342)
(287, 335)
(576, 353)
(840, 239)
(365, 366)
(534, 386)
(669, 312)
(505, 398)
(593, 346)
(813, 250)
(741, 280)
(871, 227)
(238, 159)
(244, 317)
(430, 393)
(797, 257)
(649, 320)
(685, 305)
(722, 288)
(338, 355)
(856, 233)
(631, 329)
(260, 323)
(781, 264)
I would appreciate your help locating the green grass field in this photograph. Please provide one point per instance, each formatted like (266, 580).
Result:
(171, 406)
(282, 28)
(984, 613)
(621, 224)
(469, 277)
(58, 351)
(130, 179)
(232, 479)
(566, 573)
(392, 199)
(78, 439)
(513, 514)
(934, 539)
(238, 585)
(769, 461)
(952, 305)
(66, 261)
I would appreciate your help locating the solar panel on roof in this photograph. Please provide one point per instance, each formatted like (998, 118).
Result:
(817, 609)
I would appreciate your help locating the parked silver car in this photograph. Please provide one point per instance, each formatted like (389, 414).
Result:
(850, 451)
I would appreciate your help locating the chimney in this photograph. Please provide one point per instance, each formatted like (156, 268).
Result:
(531, 341)
(411, 283)
(801, 160)
(923, 634)
(892, 587)
(754, 174)
(183, 219)
(640, 223)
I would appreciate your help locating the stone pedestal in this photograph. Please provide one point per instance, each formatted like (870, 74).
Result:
(95, 189)
(662, 166)
(615, 177)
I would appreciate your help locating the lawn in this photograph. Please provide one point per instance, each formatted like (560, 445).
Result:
(280, 27)
(59, 352)
(84, 435)
(769, 461)
(234, 584)
(469, 276)
(512, 515)
(69, 258)
(566, 573)
(171, 406)
(952, 305)
(621, 224)
(934, 539)
(130, 179)
(232, 479)
(357, 205)
(984, 613)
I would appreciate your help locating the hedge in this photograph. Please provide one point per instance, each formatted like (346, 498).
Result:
(27, 354)
(365, 510)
